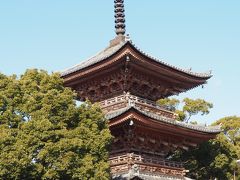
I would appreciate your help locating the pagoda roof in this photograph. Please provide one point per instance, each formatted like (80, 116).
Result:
(123, 67)
(115, 48)
(200, 128)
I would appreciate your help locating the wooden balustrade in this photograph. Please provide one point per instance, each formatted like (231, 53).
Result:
(145, 164)
(132, 158)
(125, 100)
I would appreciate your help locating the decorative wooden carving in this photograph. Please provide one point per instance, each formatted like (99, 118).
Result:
(138, 140)
(145, 164)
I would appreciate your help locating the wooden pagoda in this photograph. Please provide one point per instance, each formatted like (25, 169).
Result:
(127, 83)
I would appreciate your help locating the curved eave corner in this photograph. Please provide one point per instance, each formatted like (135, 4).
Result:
(205, 76)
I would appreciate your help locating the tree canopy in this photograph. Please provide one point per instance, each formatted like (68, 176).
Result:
(45, 135)
(215, 158)
(189, 107)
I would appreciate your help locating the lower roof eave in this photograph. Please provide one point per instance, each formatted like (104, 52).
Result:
(128, 113)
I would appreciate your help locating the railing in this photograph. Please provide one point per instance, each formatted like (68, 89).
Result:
(114, 100)
(132, 158)
(126, 100)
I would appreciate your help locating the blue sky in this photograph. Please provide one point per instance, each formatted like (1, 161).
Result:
(202, 35)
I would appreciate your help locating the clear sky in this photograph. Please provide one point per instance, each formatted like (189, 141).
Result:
(202, 35)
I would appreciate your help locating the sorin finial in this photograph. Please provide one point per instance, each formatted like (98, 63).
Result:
(119, 17)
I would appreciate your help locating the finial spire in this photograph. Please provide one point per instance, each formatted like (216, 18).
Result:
(119, 17)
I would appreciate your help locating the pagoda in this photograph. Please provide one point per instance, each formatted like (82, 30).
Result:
(127, 82)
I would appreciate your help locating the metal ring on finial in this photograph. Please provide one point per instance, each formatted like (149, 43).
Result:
(119, 17)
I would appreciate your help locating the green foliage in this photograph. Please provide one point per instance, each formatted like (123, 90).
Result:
(231, 127)
(231, 131)
(213, 159)
(45, 135)
(216, 158)
(171, 104)
(193, 107)
(190, 107)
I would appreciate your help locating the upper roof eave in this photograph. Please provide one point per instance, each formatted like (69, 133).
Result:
(111, 50)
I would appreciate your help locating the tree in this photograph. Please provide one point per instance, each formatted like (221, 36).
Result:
(231, 128)
(45, 135)
(215, 158)
(190, 107)
(193, 107)
(169, 103)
